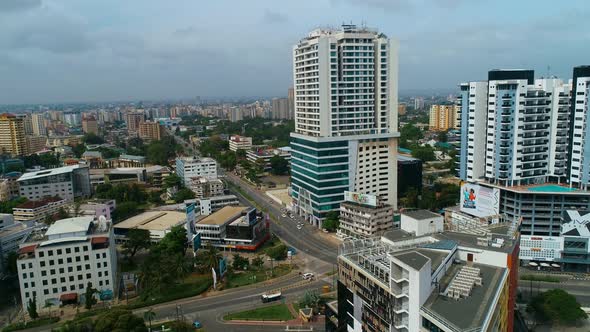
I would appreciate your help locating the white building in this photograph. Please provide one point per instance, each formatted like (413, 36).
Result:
(206, 206)
(158, 223)
(32, 212)
(204, 187)
(66, 182)
(345, 119)
(580, 133)
(421, 222)
(38, 122)
(473, 114)
(190, 167)
(55, 265)
(237, 142)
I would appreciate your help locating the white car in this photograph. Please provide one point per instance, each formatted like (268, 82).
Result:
(283, 215)
(307, 276)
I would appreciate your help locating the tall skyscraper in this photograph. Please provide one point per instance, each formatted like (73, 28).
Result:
(90, 125)
(27, 122)
(345, 119)
(291, 98)
(280, 108)
(579, 127)
(38, 121)
(133, 119)
(12, 135)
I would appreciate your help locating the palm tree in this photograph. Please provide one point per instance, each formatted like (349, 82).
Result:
(212, 257)
(149, 316)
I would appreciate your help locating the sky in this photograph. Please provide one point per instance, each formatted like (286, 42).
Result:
(114, 50)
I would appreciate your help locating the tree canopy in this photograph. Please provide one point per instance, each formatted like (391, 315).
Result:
(279, 165)
(556, 306)
(136, 239)
(91, 138)
(332, 221)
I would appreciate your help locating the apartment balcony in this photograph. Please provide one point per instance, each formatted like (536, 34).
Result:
(506, 96)
(399, 308)
(400, 276)
(400, 323)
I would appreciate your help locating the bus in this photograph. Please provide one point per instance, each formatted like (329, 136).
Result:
(269, 297)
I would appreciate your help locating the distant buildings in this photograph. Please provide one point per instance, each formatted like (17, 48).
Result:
(35, 143)
(236, 227)
(190, 167)
(90, 125)
(235, 114)
(401, 109)
(418, 103)
(237, 142)
(9, 188)
(55, 265)
(345, 119)
(444, 117)
(133, 119)
(66, 182)
(205, 187)
(150, 131)
(72, 119)
(33, 212)
(38, 124)
(291, 101)
(280, 108)
(12, 135)
(364, 215)
(263, 156)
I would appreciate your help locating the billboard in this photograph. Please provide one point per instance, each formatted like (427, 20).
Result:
(190, 221)
(364, 199)
(479, 201)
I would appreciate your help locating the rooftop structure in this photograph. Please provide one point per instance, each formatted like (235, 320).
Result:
(158, 223)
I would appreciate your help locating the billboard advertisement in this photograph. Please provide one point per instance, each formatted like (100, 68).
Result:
(363, 199)
(479, 201)
(190, 221)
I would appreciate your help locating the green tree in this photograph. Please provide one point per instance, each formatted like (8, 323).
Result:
(78, 150)
(62, 214)
(239, 262)
(174, 241)
(278, 252)
(155, 197)
(136, 239)
(7, 206)
(89, 296)
(556, 306)
(332, 221)
(424, 153)
(32, 308)
(91, 138)
(183, 194)
(125, 210)
(119, 320)
(279, 165)
(149, 316)
(172, 180)
(443, 136)
(311, 299)
(257, 262)
(211, 258)
(409, 134)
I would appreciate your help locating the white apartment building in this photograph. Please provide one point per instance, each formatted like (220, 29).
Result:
(237, 142)
(38, 121)
(473, 113)
(56, 264)
(345, 85)
(32, 212)
(190, 167)
(579, 137)
(66, 182)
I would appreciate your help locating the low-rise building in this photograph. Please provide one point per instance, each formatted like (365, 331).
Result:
(127, 160)
(92, 159)
(261, 155)
(237, 142)
(9, 187)
(56, 264)
(206, 206)
(11, 236)
(365, 215)
(204, 187)
(190, 167)
(68, 182)
(117, 175)
(33, 212)
(35, 143)
(421, 222)
(158, 223)
(233, 227)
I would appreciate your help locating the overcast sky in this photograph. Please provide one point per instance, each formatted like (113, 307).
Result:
(103, 50)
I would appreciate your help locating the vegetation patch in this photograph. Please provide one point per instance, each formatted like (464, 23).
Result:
(277, 312)
(31, 324)
(535, 277)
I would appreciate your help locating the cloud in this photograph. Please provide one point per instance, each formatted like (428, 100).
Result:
(18, 5)
(274, 17)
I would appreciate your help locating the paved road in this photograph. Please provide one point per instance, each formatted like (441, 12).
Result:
(305, 239)
(578, 288)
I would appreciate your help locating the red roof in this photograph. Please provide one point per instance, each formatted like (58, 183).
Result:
(27, 249)
(99, 240)
(68, 297)
(39, 203)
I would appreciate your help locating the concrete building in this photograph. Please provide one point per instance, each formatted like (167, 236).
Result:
(204, 187)
(150, 131)
(90, 125)
(233, 227)
(35, 143)
(56, 264)
(421, 222)
(237, 142)
(6, 219)
(364, 216)
(38, 124)
(133, 119)
(12, 135)
(579, 133)
(34, 212)
(345, 118)
(444, 117)
(418, 103)
(66, 182)
(401, 109)
(280, 108)
(236, 114)
(11, 236)
(27, 121)
(127, 160)
(439, 282)
(264, 155)
(409, 174)
(72, 119)
(117, 175)
(9, 187)
(291, 103)
(158, 223)
(191, 167)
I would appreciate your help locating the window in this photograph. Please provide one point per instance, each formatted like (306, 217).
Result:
(87, 266)
(42, 263)
(71, 278)
(59, 251)
(68, 250)
(76, 249)
(77, 258)
(50, 252)
(43, 273)
(70, 269)
(69, 259)
(46, 291)
(88, 276)
(41, 254)
(86, 257)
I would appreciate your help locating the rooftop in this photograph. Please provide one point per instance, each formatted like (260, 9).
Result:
(420, 214)
(224, 215)
(474, 241)
(132, 157)
(39, 203)
(48, 172)
(470, 312)
(546, 188)
(154, 220)
(70, 225)
(416, 258)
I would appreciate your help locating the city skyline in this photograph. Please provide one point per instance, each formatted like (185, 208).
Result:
(105, 52)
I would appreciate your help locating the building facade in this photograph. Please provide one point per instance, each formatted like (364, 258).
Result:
(237, 142)
(280, 108)
(444, 117)
(191, 167)
(149, 131)
(364, 216)
(38, 124)
(56, 264)
(90, 125)
(33, 212)
(66, 182)
(345, 85)
(204, 187)
(133, 119)
(12, 135)
(35, 143)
